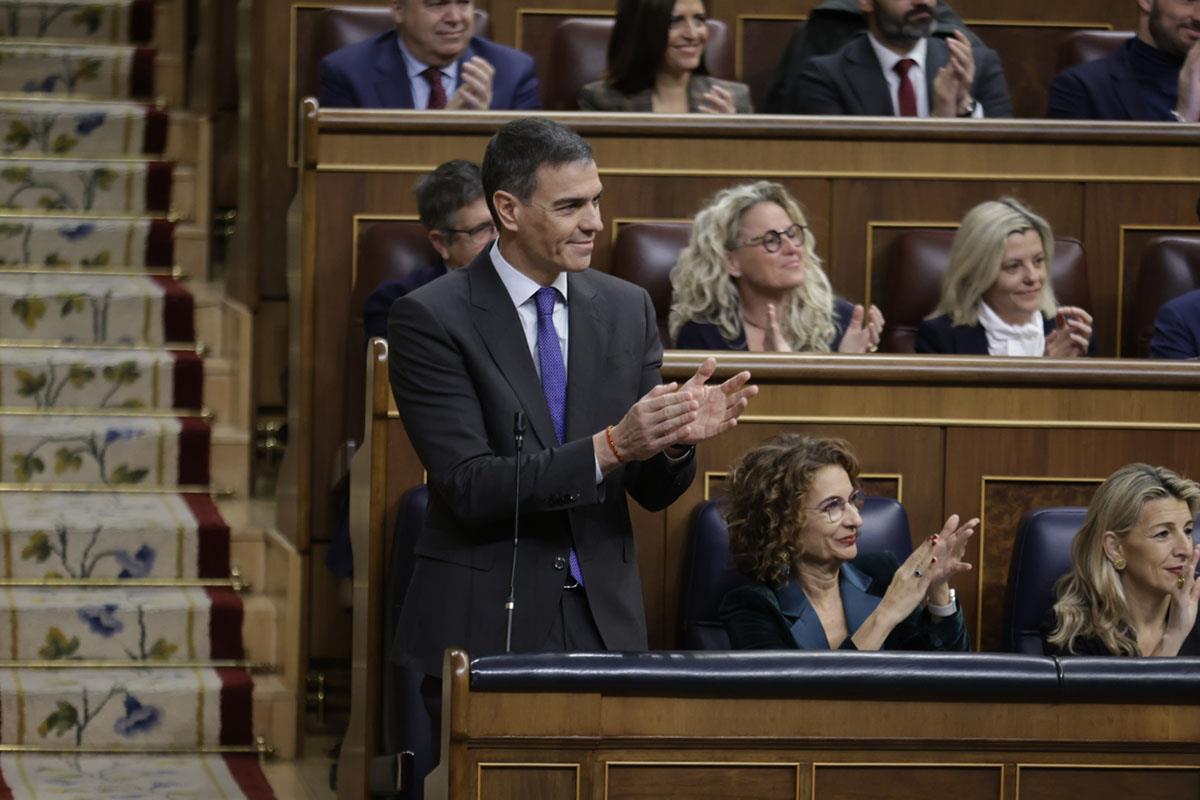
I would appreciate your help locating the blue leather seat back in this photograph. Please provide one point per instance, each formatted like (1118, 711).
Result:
(1041, 555)
(405, 724)
(709, 573)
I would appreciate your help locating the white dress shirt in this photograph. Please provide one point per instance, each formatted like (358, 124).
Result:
(417, 81)
(916, 74)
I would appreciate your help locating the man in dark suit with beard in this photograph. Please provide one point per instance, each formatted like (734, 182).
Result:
(527, 327)
(898, 68)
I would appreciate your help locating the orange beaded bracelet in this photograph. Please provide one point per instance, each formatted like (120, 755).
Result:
(613, 445)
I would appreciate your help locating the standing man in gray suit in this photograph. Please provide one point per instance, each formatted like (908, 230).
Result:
(527, 327)
(899, 68)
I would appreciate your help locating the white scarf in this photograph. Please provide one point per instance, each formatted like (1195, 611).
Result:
(1004, 339)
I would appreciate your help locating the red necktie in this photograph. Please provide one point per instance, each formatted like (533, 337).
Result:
(437, 92)
(907, 96)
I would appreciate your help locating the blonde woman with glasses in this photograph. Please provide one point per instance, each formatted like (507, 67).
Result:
(793, 516)
(750, 279)
(1132, 589)
(996, 296)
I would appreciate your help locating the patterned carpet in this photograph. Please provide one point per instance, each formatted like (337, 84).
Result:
(122, 666)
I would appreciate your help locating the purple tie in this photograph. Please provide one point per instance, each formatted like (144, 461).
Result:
(554, 380)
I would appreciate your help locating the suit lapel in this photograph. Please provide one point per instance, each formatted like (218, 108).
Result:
(1126, 86)
(391, 81)
(865, 77)
(586, 354)
(970, 339)
(496, 319)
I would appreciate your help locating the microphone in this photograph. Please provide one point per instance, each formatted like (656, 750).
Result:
(511, 602)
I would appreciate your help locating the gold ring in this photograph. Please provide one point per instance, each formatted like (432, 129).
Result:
(1180, 581)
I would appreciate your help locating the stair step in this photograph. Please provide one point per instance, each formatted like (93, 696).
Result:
(275, 715)
(98, 186)
(76, 776)
(122, 624)
(35, 241)
(125, 708)
(105, 536)
(64, 128)
(91, 72)
(230, 460)
(104, 451)
(110, 21)
(94, 309)
(99, 378)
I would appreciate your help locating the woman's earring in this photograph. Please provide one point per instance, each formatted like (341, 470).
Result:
(1119, 564)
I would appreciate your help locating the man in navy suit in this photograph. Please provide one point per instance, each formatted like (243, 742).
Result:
(899, 68)
(431, 60)
(1153, 77)
(1177, 328)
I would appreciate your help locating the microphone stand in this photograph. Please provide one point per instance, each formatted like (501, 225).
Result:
(511, 602)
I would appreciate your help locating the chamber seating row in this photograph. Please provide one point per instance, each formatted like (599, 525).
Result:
(644, 254)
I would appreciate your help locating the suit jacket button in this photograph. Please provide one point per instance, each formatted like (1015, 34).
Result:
(560, 563)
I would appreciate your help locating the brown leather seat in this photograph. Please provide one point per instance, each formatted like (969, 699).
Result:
(579, 55)
(387, 250)
(914, 284)
(645, 253)
(1083, 46)
(336, 27)
(1170, 267)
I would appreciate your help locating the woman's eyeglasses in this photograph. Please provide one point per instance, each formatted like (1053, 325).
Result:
(771, 241)
(835, 509)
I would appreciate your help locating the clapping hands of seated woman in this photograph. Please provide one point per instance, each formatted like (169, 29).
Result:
(671, 415)
(718, 100)
(1185, 600)
(475, 91)
(864, 331)
(924, 576)
(1072, 333)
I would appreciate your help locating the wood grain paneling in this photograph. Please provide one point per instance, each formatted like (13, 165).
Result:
(528, 782)
(736, 781)
(908, 782)
(1146, 783)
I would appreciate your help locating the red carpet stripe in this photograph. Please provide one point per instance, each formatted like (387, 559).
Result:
(225, 623)
(178, 311)
(141, 75)
(194, 441)
(237, 702)
(249, 776)
(188, 380)
(213, 535)
(158, 186)
(160, 241)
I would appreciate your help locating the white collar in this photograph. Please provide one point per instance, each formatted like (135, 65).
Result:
(520, 286)
(888, 59)
(1006, 339)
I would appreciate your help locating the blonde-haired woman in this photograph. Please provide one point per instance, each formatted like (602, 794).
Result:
(750, 279)
(1132, 588)
(996, 296)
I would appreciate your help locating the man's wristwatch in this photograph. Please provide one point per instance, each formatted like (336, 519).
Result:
(969, 111)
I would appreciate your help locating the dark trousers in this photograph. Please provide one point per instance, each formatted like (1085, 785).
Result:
(574, 630)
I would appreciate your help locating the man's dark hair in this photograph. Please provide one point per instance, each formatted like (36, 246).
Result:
(441, 193)
(520, 149)
(637, 44)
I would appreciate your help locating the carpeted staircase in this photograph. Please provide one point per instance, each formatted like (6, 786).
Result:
(122, 666)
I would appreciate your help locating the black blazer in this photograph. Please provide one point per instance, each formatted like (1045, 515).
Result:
(940, 336)
(1094, 646)
(1106, 88)
(850, 82)
(460, 369)
(695, 335)
(754, 619)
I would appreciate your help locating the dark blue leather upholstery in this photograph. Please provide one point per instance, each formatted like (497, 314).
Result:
(984, 677)
(405, 723)
(848, 675)
(1041, 555)
(708, 571)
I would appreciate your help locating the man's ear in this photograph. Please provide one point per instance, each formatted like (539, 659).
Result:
(397, 9)
(440, 243)
(865, 6)
(508, 209)
(1146, 6)
(1113, 550)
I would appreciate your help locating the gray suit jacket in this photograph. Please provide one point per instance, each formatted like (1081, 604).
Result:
(600, 96)
(460, 369)
(850, 82)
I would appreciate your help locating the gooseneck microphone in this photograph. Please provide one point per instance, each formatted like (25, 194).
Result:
(511, 602)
